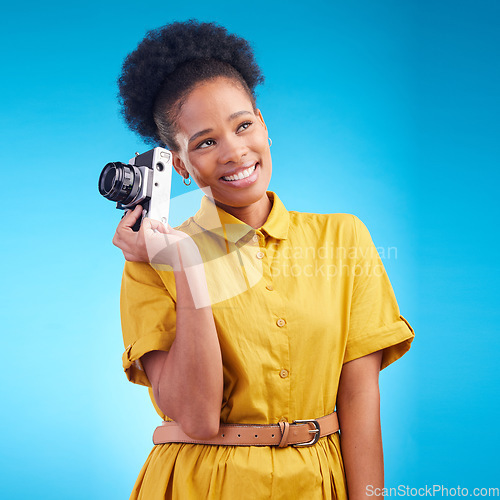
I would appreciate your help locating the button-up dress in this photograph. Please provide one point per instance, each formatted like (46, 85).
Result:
(292, 302)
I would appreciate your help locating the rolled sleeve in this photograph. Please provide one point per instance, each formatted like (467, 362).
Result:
(148, 317)
(394, 339)
(375, 322)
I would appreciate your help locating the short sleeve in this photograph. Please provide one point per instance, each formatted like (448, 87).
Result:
(375, 322)
(147, 315)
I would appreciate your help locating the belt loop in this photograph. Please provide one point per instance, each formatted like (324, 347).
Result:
(285, 429)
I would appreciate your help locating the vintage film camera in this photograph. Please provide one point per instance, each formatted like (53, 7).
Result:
(145, 180)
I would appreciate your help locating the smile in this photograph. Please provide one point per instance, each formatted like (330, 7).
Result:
(241, 175)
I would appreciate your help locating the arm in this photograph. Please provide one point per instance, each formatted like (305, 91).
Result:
(358, 407)
(187, 380)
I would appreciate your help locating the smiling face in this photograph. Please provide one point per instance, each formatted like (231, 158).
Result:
(223, 145)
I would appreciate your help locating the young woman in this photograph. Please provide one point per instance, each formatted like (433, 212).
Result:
(247, 318)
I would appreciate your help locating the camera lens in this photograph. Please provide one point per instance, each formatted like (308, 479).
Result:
(120, 182)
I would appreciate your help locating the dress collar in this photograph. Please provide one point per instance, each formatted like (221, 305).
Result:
(213, 218)
(278, 221)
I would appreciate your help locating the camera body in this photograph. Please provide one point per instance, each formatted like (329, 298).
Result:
(145, 181)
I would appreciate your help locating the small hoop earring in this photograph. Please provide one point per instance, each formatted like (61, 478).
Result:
(186, 181)
(270, 141)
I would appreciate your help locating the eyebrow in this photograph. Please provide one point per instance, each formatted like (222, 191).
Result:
(208, 130)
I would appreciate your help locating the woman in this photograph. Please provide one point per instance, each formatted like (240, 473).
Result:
(247, 313)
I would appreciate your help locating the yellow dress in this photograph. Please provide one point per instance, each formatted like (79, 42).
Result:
(292, 301)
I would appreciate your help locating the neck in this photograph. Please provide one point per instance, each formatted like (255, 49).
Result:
(254, 215)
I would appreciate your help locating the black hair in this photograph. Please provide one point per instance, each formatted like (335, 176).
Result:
(166, 66)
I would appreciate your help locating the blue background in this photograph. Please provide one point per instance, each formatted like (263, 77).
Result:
(388, 110)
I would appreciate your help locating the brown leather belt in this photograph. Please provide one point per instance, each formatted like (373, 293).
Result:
(297, 433)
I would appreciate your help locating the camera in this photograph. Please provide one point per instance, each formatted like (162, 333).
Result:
(145, 181)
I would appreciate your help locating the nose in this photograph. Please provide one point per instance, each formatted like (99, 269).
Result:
(233, 150)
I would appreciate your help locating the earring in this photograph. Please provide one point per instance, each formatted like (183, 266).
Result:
(270, 142)
(186, 181)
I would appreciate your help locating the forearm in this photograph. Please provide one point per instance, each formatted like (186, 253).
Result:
(191, 381)
(361, 442)
(358, 408)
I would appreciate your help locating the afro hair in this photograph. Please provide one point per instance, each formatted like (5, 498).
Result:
(170, 61)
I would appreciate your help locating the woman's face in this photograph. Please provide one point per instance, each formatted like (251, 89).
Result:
(223, 144)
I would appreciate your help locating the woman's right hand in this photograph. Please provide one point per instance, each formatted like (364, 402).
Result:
(154, 242)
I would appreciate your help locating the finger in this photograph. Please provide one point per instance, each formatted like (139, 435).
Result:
(131, 217)
(155, 225)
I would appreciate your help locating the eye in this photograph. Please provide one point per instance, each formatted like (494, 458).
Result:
(243, 126)
(205, 144)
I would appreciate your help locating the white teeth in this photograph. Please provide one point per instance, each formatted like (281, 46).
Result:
(242, 175)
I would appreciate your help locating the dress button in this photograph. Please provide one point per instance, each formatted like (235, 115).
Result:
(284, 373)
(281, 322)
(259, 255)
(269, 287)
(283, 419)
(255, 238)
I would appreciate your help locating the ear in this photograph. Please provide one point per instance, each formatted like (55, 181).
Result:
(260, 117)
(179, 166)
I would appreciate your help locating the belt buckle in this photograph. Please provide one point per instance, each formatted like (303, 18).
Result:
(316, 431)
